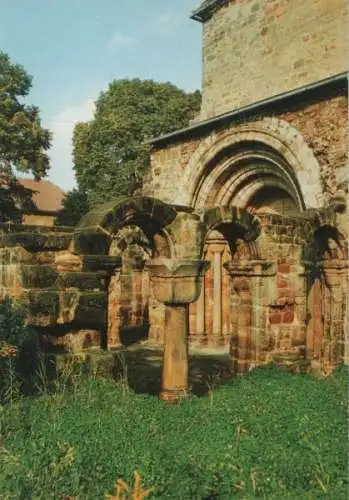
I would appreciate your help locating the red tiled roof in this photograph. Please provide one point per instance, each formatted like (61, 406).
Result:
(47, 196)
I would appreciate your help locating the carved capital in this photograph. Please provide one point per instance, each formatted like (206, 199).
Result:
(177, 281)
(250, 268)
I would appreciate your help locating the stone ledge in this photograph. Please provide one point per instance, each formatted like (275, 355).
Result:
(36, 242)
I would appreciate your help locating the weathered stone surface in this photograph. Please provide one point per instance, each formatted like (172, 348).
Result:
(35, 241)
(252, 50)
(113, 215)
(177, 281)
(95, 281)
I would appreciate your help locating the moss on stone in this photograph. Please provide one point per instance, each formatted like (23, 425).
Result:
(43, 303)
(92, 309)
(98, 300)
(26, 228)
(82, 280)
(101, 262)
(16, 255)
(35, 242)
(91, 241)
(38, 276)
(126, 209)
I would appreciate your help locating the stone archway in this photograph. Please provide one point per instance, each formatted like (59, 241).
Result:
(129, 288)
(230, 168)
(172, 239)
(230, 232)
(175, 269)
(131, 229)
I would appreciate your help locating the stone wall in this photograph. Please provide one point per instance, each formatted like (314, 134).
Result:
(315, 131)
(253, 50)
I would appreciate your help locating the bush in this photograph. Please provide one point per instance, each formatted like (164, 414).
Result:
(19, 351)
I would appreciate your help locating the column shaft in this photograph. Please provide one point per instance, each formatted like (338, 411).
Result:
(200, 312)
(175, 363)
(114, 320)
(217, 294)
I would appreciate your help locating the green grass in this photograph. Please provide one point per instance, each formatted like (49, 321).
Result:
(269, 435)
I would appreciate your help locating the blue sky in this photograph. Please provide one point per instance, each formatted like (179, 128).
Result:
(74, 48)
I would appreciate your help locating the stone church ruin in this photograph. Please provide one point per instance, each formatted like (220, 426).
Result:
(238, 239)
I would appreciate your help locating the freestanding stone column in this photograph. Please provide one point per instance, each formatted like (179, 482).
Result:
(176, 283)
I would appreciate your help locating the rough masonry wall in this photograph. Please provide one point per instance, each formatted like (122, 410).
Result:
(323, 125)
(255, 49)
(65, 294)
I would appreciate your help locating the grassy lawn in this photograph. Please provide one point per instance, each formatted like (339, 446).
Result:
(269, 435)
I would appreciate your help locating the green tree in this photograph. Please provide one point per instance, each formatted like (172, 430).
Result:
(75, 205)
(110, 154)
(23, 141)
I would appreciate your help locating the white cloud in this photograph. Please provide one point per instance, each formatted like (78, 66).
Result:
(118, 41)
(62, 126)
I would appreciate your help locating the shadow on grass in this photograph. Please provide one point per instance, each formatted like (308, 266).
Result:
(144, 367)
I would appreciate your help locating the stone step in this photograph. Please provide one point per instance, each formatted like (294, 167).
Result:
(42, 276)
(36, 242)
(49, 307)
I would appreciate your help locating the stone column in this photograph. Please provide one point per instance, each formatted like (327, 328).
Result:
(136, 302)
(175, 365)
(217, 248)
(335, 274)
(114, 319)
(299, 336)
(200, 312)
(176, 283)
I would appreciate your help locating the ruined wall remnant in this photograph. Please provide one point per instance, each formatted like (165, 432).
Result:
(65, 293)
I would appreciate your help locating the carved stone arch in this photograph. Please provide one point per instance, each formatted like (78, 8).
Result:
(276, 142)
(99, 227)
(247, 224)
(130, 235)
(238, 227)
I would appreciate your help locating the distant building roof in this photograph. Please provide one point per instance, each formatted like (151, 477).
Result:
(47, 197)
(206, 9)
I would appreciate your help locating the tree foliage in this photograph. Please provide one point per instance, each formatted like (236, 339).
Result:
(23, 141)
(75, 205)
(14, 198)
(110, 154)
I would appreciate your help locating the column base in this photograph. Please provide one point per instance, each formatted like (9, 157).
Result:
(174, 395)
